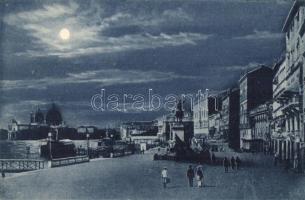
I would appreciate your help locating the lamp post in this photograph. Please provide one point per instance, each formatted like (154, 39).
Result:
(87, 135)
(50, 145)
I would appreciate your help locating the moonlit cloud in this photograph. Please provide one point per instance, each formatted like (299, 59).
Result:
(249, 66)
(124, 43)
(87, 38)
(257, 35)
(104, 77)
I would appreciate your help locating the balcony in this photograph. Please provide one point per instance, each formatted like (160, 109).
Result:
(292, 106)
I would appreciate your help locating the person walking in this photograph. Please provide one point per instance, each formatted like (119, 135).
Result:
(226, 164)
(213, 159)
(199, 176)
(275, 159)
(238, 162)
(190, 175)
(164, 176)
(3, 174)
(233, 163)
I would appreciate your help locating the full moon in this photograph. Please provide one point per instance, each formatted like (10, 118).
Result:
(64, 34)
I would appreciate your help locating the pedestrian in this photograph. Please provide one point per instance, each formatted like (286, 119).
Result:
(199, 176)
(233, 163)
(226, 164)
(295, 162)
(238, 162)
(3, 174)
(275, 159)
(213, 158)
(164, 176)
(190, 175)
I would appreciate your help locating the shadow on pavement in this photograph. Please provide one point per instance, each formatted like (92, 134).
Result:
(175, 186)
(209, 186)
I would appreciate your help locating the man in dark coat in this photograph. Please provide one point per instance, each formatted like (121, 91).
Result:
(238, 162)
(190, 175)
(226, 164)
(213, 158)
(233, 163)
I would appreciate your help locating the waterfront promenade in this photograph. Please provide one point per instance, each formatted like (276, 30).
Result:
(138, 177)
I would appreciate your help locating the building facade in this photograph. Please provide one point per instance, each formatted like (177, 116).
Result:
(200, 114)
(289, 140)
(38, 126)
(255, 89)
(229, 124)
(260, 122)
(208, 104)
(214, 126)
(278, 105)
(138, 128)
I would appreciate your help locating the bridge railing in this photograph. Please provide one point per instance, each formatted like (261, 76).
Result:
(19, 165)
(69, 161)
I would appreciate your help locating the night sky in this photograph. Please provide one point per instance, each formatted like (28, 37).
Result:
(172, 47)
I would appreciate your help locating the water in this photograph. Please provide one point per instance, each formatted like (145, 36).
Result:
(18, 149)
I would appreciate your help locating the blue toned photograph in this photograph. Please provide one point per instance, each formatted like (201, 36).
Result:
(152, 99)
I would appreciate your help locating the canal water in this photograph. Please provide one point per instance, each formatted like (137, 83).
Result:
(29, 149)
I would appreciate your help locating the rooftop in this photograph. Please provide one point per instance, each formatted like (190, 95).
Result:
(252, 71)
(292, 13)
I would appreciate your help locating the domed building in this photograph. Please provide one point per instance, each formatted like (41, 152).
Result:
(53, 116)
(39, 117)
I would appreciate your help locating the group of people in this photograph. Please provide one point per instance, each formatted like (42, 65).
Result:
(234, 163)
(190, 174)
(195, 173)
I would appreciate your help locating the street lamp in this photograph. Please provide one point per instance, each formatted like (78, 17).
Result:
(87, 135)
(50, 148)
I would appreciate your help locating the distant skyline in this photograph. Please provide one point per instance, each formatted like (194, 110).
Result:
(67, 51)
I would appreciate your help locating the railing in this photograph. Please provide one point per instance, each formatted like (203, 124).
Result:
(69, 161)
(20, 165)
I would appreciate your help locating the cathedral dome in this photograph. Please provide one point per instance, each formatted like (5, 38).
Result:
(53, 116)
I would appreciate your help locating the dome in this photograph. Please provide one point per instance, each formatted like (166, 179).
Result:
(53, 116)
(39, 117)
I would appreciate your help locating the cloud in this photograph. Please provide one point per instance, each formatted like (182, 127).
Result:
(237, 68)
(249, 66)
(87, 30)
(280, 2)
(257, 35)
(47, 12)
(124, 43)
(111, 77)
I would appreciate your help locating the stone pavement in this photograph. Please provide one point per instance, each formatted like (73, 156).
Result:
(138, 177)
